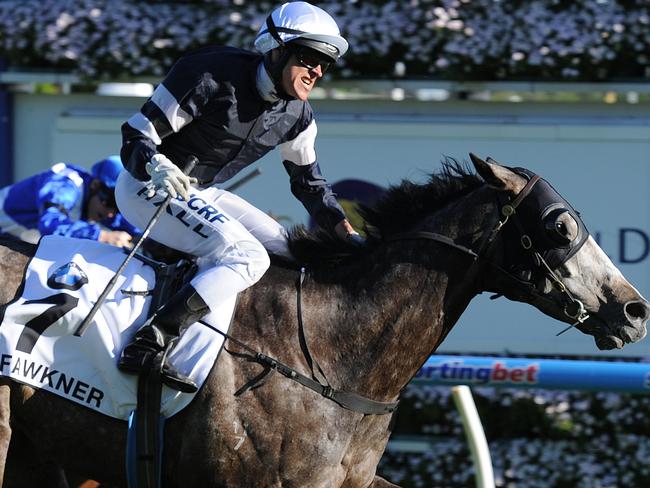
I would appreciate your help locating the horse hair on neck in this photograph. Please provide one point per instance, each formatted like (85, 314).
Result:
(401, 207)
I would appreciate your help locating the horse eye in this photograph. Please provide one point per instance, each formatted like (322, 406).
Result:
(561, 227)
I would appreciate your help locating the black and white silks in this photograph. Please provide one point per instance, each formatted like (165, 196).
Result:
(218, 105)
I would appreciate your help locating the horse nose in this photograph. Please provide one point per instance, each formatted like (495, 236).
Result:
(637, 311)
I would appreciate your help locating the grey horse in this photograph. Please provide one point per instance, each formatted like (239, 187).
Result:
(371, 318)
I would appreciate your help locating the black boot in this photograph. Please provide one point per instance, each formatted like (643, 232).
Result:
(160, 334)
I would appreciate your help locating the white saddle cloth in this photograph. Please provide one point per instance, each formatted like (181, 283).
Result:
(63, 280)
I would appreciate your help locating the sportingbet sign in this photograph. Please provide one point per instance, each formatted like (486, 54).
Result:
(551, 374)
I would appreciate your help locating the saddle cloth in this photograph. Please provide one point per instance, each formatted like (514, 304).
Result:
(62, 282)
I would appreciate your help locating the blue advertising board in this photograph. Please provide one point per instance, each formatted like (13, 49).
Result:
(552, 374)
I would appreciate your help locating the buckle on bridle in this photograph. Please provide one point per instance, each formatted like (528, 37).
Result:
(580, 314)
(507, 210)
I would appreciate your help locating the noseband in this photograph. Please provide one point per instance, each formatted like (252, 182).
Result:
(539, 257)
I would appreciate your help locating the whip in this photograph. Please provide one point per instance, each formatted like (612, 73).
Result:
(85, 323)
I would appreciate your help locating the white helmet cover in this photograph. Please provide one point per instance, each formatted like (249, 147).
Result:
(294, 20)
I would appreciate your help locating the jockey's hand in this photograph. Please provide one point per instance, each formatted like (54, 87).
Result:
(356, 239)
(117, 238)
(346, 232)
(168, 177)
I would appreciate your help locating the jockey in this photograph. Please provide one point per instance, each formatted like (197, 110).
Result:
(228, 107)
(68, 201)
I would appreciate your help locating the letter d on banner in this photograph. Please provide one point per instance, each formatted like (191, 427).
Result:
(624, 234)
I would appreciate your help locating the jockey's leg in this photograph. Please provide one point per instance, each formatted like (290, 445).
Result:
(232, 260)
(265, 229)
(160, 332)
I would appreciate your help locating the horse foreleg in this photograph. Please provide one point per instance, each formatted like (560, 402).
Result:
(379, 482)
(5, 428)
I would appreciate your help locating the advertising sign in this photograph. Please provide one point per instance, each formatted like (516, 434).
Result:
(553, 374)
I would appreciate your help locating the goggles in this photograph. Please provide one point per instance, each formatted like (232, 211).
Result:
(310, 59)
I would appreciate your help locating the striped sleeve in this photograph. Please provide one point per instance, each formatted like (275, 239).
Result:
(179, 99)
(160, 116)
(300, 151)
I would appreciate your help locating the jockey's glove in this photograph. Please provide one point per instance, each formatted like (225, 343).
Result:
(355, 239)
(168, 178)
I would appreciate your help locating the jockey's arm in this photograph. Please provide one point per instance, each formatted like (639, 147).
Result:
(55, 221)
(176, 102)
(118, 222)
(310, 187)
(136, 150)
(307, 182)
(117, 231)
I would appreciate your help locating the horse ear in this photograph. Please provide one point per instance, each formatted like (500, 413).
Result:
(498, 177)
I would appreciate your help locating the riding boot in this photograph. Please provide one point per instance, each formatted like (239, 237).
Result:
(160, 333)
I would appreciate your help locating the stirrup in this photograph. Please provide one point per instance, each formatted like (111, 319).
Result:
(177, 380)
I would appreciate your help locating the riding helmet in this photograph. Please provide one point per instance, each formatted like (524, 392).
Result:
(295, 24)
(107, 170)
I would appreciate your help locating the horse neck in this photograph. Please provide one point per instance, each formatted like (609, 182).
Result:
(390, 318)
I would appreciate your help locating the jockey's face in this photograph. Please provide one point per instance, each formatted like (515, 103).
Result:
(298, 79)
(101, 204)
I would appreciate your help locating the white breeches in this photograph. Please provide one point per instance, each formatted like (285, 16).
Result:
(230, 235)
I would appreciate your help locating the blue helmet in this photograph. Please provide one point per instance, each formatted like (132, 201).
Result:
(107, 170)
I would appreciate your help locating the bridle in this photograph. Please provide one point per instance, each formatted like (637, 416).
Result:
(508, 211)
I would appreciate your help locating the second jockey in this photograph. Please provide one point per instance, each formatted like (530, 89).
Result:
(67, 200)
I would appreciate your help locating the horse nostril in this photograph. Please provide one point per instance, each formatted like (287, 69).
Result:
(638, 310)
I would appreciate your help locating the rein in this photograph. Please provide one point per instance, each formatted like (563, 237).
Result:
(507, 210)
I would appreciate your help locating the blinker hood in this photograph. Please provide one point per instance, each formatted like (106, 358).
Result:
(542, 204)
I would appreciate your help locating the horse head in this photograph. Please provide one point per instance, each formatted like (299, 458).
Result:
(540, 252)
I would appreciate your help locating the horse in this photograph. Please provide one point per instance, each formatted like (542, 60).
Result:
(356, 320)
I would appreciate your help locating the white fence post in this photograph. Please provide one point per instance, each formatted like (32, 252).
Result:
(475, 436)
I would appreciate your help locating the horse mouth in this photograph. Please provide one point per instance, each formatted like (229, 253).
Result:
(615, 342)
(630, 334)
(609, 342)
(609, 337)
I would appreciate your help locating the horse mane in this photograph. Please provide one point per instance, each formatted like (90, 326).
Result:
(400, 208)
